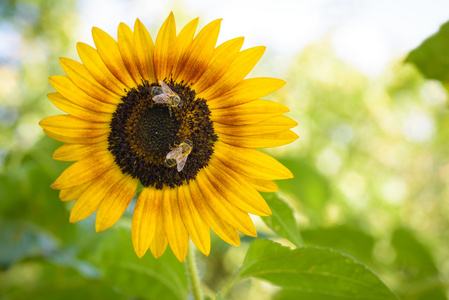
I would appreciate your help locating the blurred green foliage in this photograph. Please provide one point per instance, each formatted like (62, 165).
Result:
(432, 57)
(371, 169)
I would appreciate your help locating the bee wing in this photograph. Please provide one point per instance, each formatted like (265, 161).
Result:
(162, 98)
(181, 162)
(174, 154)
(155, 90)
(165, 88)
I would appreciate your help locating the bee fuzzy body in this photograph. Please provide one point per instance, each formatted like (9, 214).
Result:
(178, 156)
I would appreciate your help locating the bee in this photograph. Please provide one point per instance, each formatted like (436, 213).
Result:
(178, 156)
(165, 95)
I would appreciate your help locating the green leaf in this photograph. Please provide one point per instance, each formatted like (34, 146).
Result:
(286, 294)
(432, 56)
(313, 271)
(411, 252)
(416, 267)
(150, 278)
(282, 221)
(345, 238)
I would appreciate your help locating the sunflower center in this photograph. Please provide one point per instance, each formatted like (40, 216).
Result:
(148, 138)
(154, 128)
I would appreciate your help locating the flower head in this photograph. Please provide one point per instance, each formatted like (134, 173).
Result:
(177, 116)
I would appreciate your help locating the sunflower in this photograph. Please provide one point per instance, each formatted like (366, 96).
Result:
(177, 117)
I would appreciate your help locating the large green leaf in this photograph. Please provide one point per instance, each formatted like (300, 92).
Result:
(313, 271)
(346, 238)
(287, 294)
(432, 56)
(282, 221)
(150, 278)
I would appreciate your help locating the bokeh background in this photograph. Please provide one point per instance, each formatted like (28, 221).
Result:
(371, 165)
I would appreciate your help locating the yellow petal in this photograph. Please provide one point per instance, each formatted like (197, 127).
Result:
(84, 80)
(222, 58)
(242, 65)
(126, 47)
(76, 140)
(177, 235)
(261, 140)
(197, 56)
(250, 162)
(98, 69)
(194, 223)
(235, 189)
(226, 232)
(246, 91)
(143, 51)
(115, 202)
(183, 40)
(74, 192)
(163, 49)
(75, 95)
(110, 54)
(74, 152)
(84, 170)
(144, 220)
(227, 211)
(73, 127)
(90, 200)
(67, 121)
(159, 242)
(267, 186)
(78, 111)
(248, 113)
(276, 124)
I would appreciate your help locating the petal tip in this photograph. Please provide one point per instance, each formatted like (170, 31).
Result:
(205, 249)
(295, 136)
(140, 254)
(138, 24)
(289, 174)
(52, 78)
(138, 249)
(97, 33)
(73, 219)
(170, 18)
(267, 212)
(98, 228)
(262, 49)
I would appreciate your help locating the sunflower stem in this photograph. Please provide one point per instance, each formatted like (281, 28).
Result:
(193, 273)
